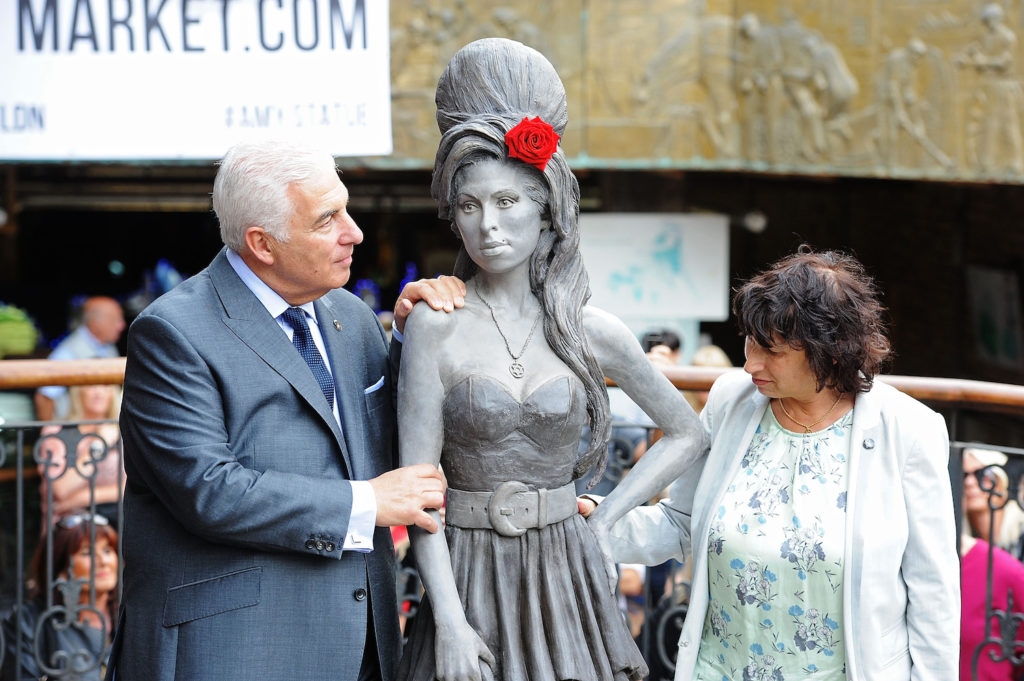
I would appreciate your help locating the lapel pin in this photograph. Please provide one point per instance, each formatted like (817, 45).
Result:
(337, 325)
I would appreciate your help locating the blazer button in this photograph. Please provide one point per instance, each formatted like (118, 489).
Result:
(310, 544)
(869, 443)
(360, 594)
(329, 547)
(319, 545)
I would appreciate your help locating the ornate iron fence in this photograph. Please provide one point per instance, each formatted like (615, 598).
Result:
(31, 462)
(60, 579)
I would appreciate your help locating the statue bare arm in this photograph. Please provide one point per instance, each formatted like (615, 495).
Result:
(622, 359)
(428, 344)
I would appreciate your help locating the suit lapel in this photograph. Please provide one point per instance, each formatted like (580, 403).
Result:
(341, 348)
(253, 325)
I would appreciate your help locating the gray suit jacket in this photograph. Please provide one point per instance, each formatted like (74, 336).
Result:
(238, 495)
(901, 576)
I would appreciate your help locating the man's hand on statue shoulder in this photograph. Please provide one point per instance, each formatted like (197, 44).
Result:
(441, 293)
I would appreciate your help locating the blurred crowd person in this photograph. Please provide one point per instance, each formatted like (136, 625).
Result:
(705, 356)
(985, 479)
(64, 628)
(989, 513)
(96, 336)
(663, 347)
(81, 464)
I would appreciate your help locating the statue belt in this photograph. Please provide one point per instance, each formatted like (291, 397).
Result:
(511, 509)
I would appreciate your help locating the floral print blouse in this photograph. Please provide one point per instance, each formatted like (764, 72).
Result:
(775, 560)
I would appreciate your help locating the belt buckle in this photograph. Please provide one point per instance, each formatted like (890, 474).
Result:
(500, 509)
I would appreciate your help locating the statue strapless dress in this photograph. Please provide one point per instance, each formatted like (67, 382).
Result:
(538, 597)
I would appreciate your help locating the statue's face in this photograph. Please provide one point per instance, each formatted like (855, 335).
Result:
(499, 224)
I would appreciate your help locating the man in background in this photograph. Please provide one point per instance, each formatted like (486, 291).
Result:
(95, 337)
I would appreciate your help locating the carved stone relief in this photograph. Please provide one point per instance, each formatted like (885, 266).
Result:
(902, 88)
(426, 33)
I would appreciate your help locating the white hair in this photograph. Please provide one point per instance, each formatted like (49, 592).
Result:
(251, 187)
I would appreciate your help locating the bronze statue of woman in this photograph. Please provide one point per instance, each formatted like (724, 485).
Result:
(520, 586)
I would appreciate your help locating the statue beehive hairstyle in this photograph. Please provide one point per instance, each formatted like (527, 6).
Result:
(500, 77)
(489, 87)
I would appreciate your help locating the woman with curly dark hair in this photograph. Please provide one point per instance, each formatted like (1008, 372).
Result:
(821, 518)
(64, 629)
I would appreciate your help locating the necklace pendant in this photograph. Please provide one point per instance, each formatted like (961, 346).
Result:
(516, 369)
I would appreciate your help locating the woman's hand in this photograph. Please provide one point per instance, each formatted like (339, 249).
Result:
(586, 506)
(461, 655)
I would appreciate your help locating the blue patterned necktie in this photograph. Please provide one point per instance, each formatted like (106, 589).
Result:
(303, 342)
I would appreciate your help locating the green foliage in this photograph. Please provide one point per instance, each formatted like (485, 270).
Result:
(18, 332)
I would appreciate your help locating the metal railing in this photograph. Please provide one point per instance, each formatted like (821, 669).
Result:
(21, 459)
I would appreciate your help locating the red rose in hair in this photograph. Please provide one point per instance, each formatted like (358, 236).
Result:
(533, 142)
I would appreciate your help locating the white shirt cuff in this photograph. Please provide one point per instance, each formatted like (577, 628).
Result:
(363, 518)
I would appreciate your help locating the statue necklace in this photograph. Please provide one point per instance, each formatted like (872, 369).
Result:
(807, 428)
(516, 367)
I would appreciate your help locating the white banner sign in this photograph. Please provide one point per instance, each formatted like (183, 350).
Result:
(185, 79)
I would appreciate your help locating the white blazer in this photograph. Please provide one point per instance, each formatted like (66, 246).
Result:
(901, 576)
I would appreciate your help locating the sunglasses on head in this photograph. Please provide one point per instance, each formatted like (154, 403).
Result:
(987, 477)
(76, 519)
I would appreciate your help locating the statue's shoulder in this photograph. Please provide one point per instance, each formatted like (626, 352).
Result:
(599, 323)
(426, 323)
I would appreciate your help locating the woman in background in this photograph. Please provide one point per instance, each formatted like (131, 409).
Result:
(64, 629)
(979, 634)
(705, 356)
(985, 480)
(94, 473)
